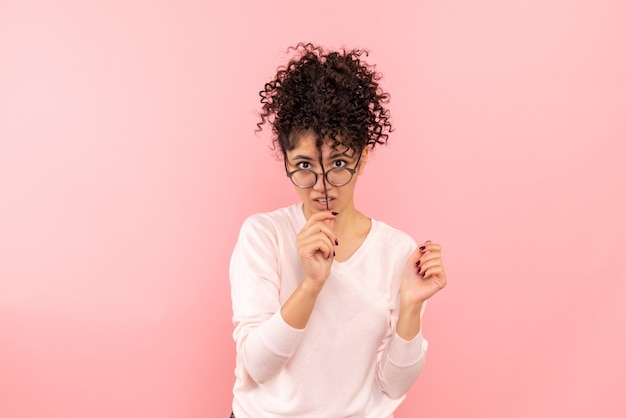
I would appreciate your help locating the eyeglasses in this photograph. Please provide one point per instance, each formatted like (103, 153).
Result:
(337, 177)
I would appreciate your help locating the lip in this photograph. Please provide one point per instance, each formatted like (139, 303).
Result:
(321, 205)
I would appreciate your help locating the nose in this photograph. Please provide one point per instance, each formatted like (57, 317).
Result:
(321, 185)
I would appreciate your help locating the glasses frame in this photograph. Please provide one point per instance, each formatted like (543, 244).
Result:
(323, 173)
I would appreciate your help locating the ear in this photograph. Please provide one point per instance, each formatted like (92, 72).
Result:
(363, 162)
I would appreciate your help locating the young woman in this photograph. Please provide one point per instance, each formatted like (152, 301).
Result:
(327, 302)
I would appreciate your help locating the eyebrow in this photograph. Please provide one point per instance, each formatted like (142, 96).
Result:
(330, 157)
(302, 157)
(339, 154)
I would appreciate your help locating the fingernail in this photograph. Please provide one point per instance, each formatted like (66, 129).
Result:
(336, 242)
(335, 213)
(419, 269)
(418, 263)
(334, 254)
(422, 248)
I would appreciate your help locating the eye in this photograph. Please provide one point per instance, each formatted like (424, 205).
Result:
(339, 163)
(304, 165)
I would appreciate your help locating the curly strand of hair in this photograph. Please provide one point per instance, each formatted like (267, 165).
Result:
(334, 94)
(267, 102)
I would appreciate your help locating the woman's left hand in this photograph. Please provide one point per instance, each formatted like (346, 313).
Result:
(423, 275)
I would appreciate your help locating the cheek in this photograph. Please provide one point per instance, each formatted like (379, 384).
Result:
(302, 193)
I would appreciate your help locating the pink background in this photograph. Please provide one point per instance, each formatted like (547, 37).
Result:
(128, 161)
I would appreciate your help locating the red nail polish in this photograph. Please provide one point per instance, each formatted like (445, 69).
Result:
(336, 242)
(334, 254)
(335, 213)
(422, 248)
(418, 263)
(419, 269)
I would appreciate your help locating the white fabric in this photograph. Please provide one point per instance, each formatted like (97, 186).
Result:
(348, 361)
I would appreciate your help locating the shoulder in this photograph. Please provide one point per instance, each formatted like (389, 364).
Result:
(270, 223)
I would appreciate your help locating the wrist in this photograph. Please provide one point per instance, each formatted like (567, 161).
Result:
(411, 308)
(311, 287)
(409, 320)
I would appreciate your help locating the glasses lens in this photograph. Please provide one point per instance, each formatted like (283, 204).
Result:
(308, 178)
(339, 176)
(304, 178)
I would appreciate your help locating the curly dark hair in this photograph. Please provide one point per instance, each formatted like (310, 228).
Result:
(333, 94)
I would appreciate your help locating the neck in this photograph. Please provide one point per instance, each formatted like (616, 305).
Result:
(348, 221)
(351, 228)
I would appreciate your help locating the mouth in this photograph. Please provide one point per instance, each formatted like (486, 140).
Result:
(324, 203)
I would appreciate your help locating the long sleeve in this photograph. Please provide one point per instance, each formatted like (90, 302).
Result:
(349, 360)
(400, 362)
(264, 340)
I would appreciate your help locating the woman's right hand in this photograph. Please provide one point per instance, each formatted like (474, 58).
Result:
(316, 244)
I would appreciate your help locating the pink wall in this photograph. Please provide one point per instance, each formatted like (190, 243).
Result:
(128, 161)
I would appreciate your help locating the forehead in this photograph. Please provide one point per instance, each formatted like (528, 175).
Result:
(307, 144)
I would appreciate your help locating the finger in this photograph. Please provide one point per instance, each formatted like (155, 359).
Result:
(324, 248)
(325, 217)
(429, 265)
(427, 257)
(426, 252)
(307, 240)
(415, 257)
(426, 262)
(429, 260)
(317, 228)
(429, 246)
(322, 216)
(433, 271)
(316, 243)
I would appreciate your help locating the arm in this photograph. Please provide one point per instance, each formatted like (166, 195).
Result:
(266, 333)
(316, 244)
(403, 356)
(401, 360)
(264, 341)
